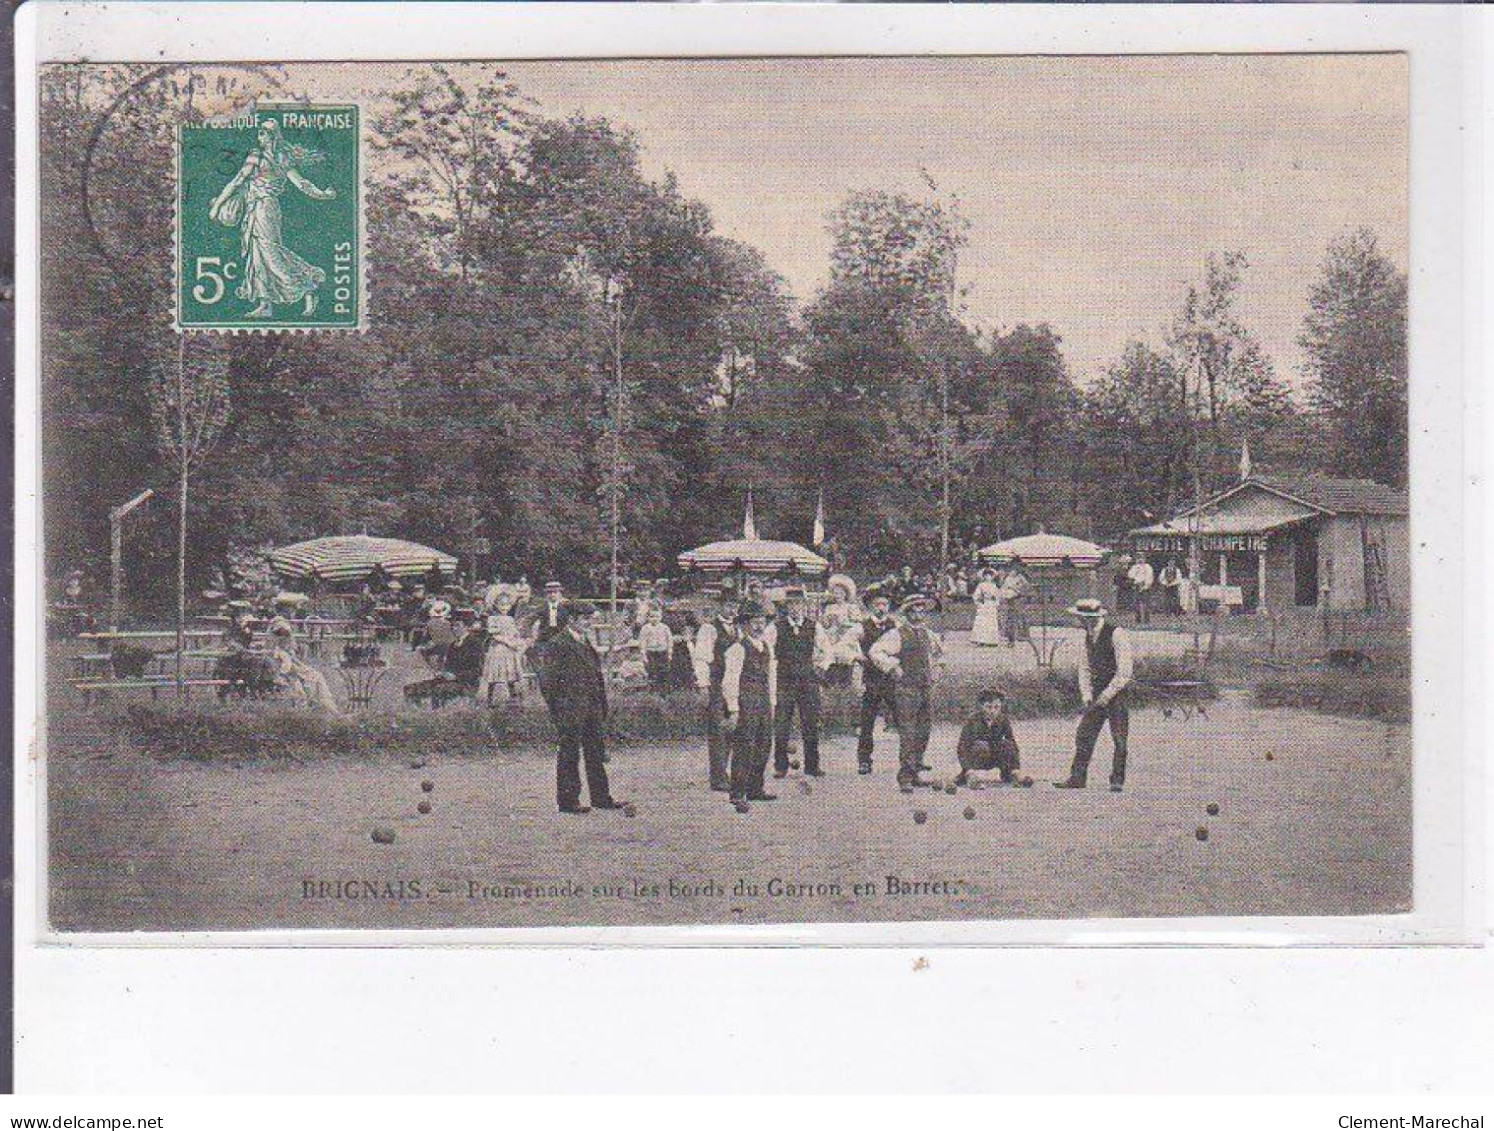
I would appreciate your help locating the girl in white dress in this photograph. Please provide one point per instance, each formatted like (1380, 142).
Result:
(988, 596)
(503, 662)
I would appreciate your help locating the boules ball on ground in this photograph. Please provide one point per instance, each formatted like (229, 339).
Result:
(423, 807)
(919, 816)
(427, 786)
(951, 789)
(383, 835)
(970, 812)
(1212, 809)
(1201, 833)
(1026, 783)
(793, 765)
(630, 811)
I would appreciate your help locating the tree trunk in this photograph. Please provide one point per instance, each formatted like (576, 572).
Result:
(181, 588)
(181, 522)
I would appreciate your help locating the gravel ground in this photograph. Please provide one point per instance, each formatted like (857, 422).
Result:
(1321, 827)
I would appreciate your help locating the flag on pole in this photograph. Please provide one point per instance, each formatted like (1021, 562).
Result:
(819, 520)
(749, 527)
(1245, 465)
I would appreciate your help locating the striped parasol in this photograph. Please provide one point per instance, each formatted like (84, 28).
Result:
(1045, 550)
(350, 556)
(755, 555)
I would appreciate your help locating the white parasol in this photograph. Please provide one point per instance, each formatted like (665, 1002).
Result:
(346, 557)
(1045, 550)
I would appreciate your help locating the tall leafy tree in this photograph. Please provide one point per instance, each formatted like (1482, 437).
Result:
(1354, 336)
(1225, 380)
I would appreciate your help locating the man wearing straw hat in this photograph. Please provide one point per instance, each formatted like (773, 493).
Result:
(908, 654)
(1104, 662)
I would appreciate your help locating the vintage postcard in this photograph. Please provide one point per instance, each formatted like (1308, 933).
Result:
(514, 493)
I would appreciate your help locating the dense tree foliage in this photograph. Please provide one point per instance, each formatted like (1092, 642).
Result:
(1354, 336)
(510, 255)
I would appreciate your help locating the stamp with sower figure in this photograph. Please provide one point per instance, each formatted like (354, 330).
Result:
(269, 222)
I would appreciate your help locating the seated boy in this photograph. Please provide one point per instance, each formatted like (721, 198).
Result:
(987, 742)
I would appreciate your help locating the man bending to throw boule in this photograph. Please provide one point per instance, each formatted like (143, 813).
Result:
(1104, 662)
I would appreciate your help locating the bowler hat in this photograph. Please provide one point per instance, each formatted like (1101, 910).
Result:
(1086, 607)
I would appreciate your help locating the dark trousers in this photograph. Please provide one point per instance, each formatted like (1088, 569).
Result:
(1143, 600)
(718, 742)
(1090, 724)
(751, 743)
(912, 729)
(578, 741)
(984, 755)
(803, 696)
(657, 666)
(876, 696)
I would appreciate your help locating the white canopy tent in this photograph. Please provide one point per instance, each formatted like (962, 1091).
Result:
(751, 554)
(1044, 550)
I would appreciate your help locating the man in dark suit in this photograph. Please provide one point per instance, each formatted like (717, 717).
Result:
(465, 653)
(549, 618)
(548, 621)
(575, 690)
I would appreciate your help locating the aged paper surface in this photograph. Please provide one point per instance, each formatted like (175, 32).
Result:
(725, 491)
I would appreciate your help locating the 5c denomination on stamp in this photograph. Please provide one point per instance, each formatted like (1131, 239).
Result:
(269, 220)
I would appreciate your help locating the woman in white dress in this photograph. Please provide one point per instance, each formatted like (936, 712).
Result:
(988, 596)
(503, 663)
(305, 681)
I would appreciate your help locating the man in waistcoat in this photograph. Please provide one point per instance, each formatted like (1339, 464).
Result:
(717, 635)
(876, 686)
(750, 693)
(799, 646)
(1104, 663)
(907, 655)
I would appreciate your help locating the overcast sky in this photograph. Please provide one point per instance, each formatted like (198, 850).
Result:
(1095, 187)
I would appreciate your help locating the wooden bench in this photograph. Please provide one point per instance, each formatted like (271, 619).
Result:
(93, 665)
(92, 687)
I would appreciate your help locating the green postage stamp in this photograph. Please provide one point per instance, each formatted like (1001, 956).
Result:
(269, 220)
